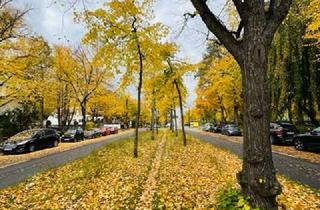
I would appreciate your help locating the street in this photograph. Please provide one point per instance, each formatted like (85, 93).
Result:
(12, 174)
(294, 168)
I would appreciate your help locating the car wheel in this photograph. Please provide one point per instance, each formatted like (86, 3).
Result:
(272, 140)
(32, 148)
(55, 143)
(299, 145)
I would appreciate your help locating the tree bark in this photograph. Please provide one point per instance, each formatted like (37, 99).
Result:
(184, 138)
(258, 176)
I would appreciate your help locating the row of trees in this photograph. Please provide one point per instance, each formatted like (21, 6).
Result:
(123, 41)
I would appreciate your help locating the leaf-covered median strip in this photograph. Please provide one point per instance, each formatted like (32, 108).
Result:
(199, 176)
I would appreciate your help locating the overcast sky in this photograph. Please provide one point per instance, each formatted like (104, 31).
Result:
(52, 22)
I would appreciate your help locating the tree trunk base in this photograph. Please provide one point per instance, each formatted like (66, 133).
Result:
(262, 193)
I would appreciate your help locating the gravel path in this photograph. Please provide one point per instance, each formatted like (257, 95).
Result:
(294, 168)
(12, 174)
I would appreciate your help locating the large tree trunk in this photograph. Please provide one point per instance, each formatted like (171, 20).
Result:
(259, 21)
(184, 138)
(258, 175)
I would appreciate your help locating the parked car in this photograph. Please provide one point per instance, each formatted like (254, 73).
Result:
(30, 140)
(92, 133)
(113, 130)
(73, 135)
(208, 127)
(217, 128)
(308, 140)
(282, 132)
(105, 131)
(231, 130)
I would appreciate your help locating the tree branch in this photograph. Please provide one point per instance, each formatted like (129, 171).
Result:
(218, 28)
(239, 6)
(276, 15)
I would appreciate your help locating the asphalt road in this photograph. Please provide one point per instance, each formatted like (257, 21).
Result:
(13, 174)
(294, 168)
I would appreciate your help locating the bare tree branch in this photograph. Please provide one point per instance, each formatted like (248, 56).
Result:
(274, 20)
(218, 28)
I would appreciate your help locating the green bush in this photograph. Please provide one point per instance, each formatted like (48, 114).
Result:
(90, 125)
(232, 199)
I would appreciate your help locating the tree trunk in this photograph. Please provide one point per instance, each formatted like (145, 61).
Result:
(184, 139)
(136, 139)
(157, 124)
(152, 124)
(127, 114)
(171, 119)
(84, 113)
(153, 120)
(258, 175)
(175, 119)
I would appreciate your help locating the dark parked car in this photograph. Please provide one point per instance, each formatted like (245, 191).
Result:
(92, 133)
(282, 132)
(73, 135)
(231, 130)
(30, 140)
(217, 128)
(308, 140)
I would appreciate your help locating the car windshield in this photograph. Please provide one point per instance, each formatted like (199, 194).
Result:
(23, 135)
(287, 125)
(317, 130)
(71, 131)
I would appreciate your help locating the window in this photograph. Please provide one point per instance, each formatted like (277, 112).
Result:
(49, 132)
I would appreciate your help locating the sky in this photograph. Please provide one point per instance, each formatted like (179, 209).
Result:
(51, 21)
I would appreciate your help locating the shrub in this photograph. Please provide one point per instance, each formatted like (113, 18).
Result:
(231, 198)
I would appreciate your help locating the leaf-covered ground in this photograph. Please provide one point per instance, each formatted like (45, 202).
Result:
(167, 175)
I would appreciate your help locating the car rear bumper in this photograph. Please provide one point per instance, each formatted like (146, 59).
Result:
(67, 139)
(16, 150)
